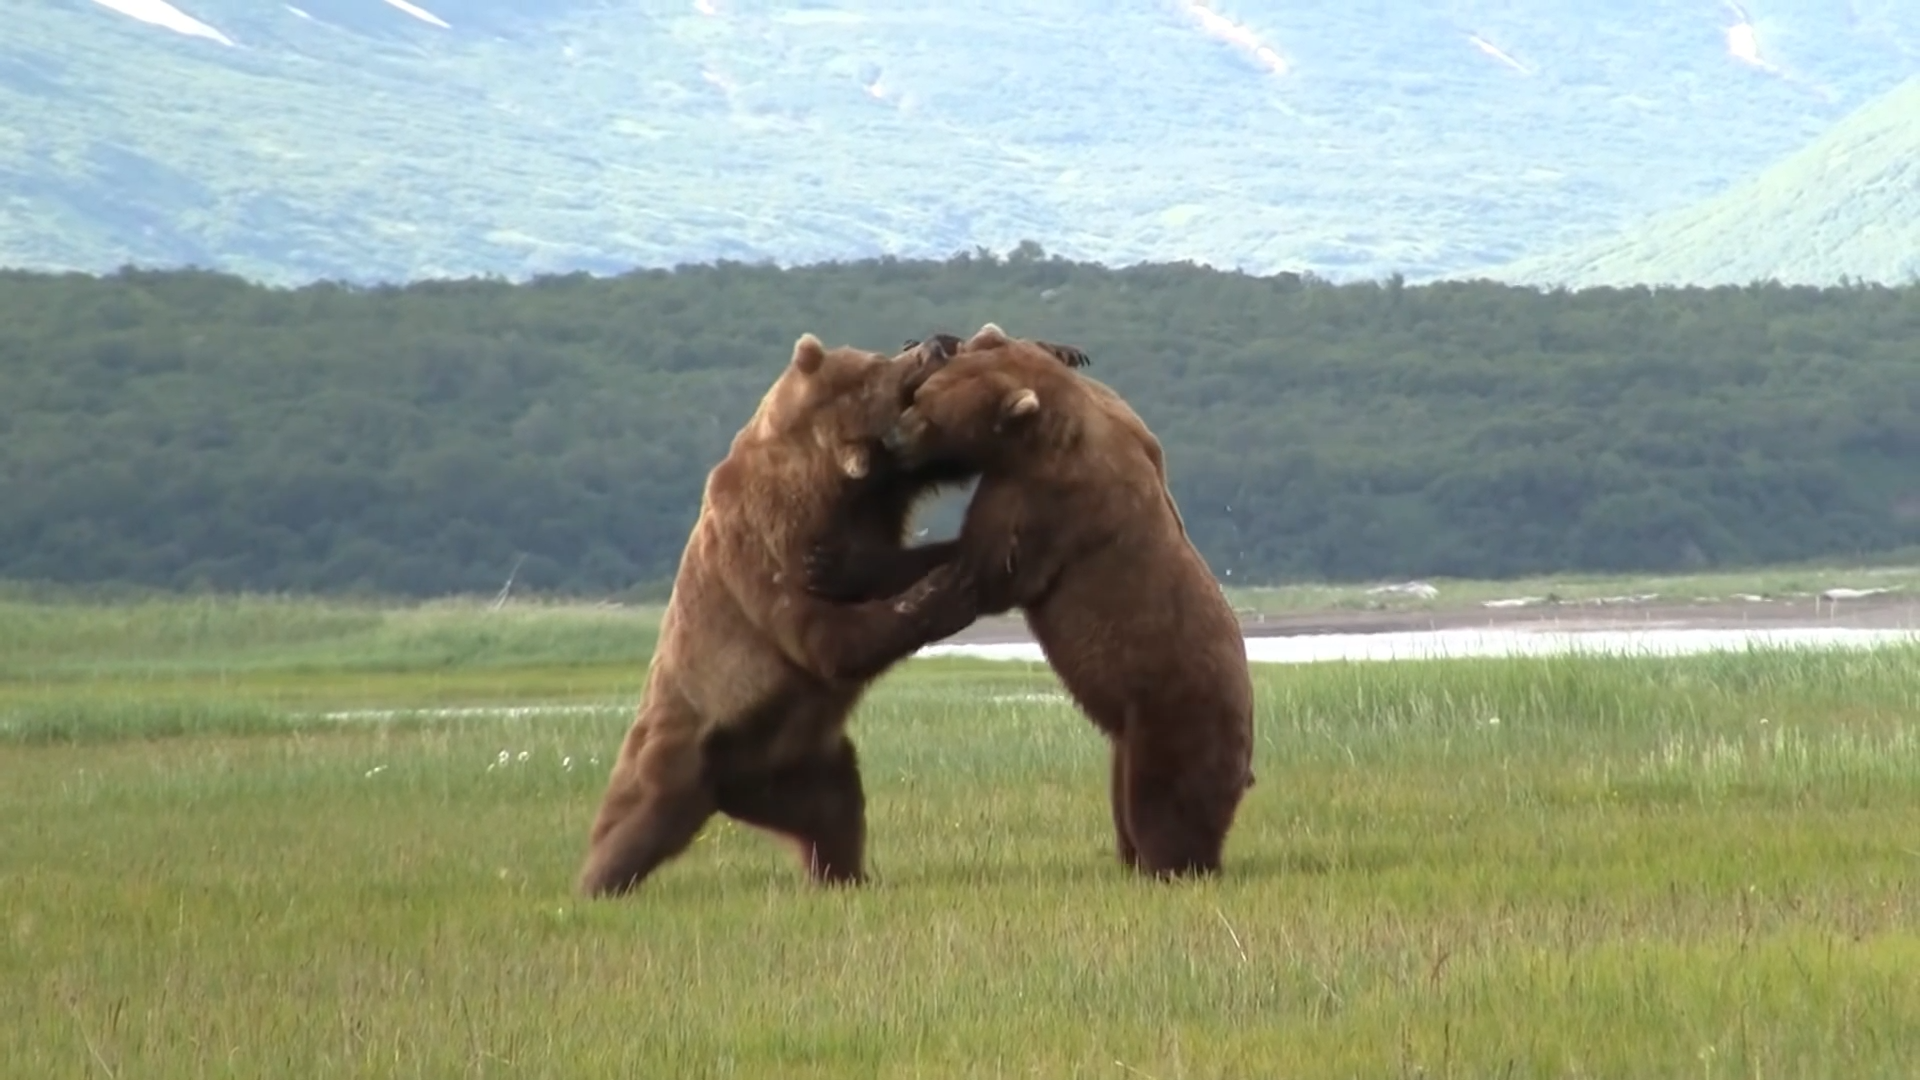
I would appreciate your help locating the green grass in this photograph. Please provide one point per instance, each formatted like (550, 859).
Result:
(1579, 866)
(234, 665)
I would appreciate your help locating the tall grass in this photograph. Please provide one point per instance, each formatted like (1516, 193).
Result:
(255, 633)
(1573, 866)
(239, 664)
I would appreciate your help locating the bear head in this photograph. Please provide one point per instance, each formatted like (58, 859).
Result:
(839, 401)
(976, 405)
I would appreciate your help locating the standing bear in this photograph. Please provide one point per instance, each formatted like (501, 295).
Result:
(749, 690)
(1072, 522)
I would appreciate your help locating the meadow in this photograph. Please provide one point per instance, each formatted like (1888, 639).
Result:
(237, 839)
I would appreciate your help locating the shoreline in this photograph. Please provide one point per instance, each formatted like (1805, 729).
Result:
(1895, 611)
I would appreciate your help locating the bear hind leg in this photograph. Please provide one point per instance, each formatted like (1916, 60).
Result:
(820, 805)
(1179, 815)
(654, 808)
(1117, 795)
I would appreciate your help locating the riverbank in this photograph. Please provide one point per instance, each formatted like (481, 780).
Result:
(1883, 611)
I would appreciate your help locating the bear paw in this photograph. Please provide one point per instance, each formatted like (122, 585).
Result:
(832, 573)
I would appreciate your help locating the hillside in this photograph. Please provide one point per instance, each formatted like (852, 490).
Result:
(186, 429)
(367, 140)
(1846, 206)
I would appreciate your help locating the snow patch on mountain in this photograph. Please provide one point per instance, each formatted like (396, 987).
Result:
(1237, 34)
(1498, 53)
(162, 14)
(421, 13)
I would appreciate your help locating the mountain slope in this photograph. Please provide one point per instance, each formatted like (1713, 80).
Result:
(1847, 205)
(363, 139)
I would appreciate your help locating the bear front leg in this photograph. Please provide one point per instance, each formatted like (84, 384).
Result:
(655, 805)
(820, 805)
(853, 574)
(857, 642)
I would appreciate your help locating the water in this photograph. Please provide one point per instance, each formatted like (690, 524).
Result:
(1453, 644)
(1313, 648)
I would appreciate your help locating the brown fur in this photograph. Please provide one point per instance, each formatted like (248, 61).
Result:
(748, 693)
(1073, 522)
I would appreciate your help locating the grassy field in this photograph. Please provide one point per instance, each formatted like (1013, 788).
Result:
(216, 862)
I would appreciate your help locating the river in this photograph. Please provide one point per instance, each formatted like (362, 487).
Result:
(1450, 644)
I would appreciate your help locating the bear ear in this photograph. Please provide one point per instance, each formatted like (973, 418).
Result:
(1019, 404)
(989, 336)
(808, 354)
(1069, 355)
(854, 462)
(935, 347)
(943, 346)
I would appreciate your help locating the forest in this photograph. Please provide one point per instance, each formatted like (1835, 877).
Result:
(191, 430)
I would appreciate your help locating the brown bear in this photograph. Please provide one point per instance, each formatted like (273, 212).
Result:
(751, 683)
(1072, 522)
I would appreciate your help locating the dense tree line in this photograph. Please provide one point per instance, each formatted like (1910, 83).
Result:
(188, 429)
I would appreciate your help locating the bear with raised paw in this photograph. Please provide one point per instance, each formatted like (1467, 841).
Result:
(750, 686)
(748, 692)
(1073, 523)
